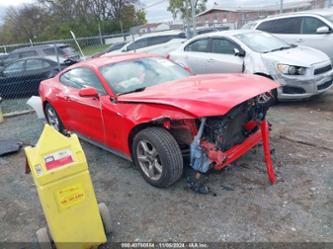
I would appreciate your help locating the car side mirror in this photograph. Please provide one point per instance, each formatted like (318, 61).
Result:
(240, 53)
(323, 30)
(88, 92)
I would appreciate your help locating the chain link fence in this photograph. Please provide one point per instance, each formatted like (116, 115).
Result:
(23, 66)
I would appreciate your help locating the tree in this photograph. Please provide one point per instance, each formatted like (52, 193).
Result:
(52, 19)
(183, 8)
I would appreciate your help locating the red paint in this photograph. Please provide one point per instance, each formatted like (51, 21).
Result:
(223, 159)
(58, 163)
(267, 151)
(110, 119)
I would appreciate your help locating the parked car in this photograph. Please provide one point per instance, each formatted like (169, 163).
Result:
(114, 47)
(159, 43)
(22, 77)
(152, 111)
(66, 53)
(311, 28)
(301, 71)
(3, 56)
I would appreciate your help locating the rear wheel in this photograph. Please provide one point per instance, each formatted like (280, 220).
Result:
(53, 119)
(158, 156)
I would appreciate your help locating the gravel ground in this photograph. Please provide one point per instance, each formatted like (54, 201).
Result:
(245, 207)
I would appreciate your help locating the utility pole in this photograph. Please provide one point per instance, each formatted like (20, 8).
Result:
(193, 4)
(281, 6)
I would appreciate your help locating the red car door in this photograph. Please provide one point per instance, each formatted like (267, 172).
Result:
(84, 113)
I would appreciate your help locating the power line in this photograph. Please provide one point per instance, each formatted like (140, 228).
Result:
(154, 4)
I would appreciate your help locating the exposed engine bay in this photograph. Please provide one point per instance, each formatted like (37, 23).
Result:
(226, 131)
(217, 135)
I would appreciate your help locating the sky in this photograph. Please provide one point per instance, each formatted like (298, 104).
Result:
(156, 10)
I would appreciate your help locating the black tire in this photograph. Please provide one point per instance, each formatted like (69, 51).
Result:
(169, 155)
(48, 108)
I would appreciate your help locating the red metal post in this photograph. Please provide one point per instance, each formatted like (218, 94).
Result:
(268, 160)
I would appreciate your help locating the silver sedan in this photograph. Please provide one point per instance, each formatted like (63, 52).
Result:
(301, 71)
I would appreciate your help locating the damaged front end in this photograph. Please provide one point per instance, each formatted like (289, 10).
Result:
(221, 140)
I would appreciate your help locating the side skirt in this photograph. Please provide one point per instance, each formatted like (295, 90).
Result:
(115, 152)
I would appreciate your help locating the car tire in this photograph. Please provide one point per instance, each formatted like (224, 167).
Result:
(53, 119)
(157, 155)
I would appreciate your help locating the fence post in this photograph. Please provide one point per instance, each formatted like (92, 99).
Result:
(57, 54)
(100, 33)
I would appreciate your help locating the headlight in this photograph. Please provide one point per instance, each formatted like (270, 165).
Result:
(290, 70)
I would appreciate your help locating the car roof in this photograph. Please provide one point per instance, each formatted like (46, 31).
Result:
(39, 46)
(34, 57)
(105, 60)
(161, 33)
(320, 12)
(227, 33)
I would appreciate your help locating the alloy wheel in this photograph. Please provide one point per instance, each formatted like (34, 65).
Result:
(149, 160)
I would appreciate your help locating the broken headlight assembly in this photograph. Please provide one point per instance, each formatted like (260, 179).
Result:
(290, 70)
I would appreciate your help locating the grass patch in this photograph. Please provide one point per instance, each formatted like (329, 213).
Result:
(91, 50)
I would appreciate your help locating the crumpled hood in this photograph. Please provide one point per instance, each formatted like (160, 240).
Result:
(299, 56)
(204, 95)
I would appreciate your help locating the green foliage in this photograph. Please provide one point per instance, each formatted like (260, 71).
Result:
(183, 8)
(52, 19)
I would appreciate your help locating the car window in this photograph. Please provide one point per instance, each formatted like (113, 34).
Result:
(116, 46)
(159, 39)
(289, 25)
(15, 67)
(28, 54)
(49, 51)
(80, 78)
(311, 24)
(201, 45)
(262, 42)
(63, 51)
(36, 64)
(127, 76)
(138, 44)
(66, 50)
(13, 56)
(223, 46)
(249, 25)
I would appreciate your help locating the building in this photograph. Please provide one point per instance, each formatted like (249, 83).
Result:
(239, 16)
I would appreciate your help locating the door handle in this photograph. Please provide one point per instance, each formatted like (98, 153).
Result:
(299, 40)
(211, 60)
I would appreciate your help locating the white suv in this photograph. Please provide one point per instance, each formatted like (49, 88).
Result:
(158, 43)
(310, 28)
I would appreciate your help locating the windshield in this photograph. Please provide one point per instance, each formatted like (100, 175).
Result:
(329, 17)
(134, 75)
(262, 42)
(249, 25)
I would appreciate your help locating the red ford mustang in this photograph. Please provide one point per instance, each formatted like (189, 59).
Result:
(152, 111)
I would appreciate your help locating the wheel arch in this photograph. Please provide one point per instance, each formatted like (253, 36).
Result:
(136, 129)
